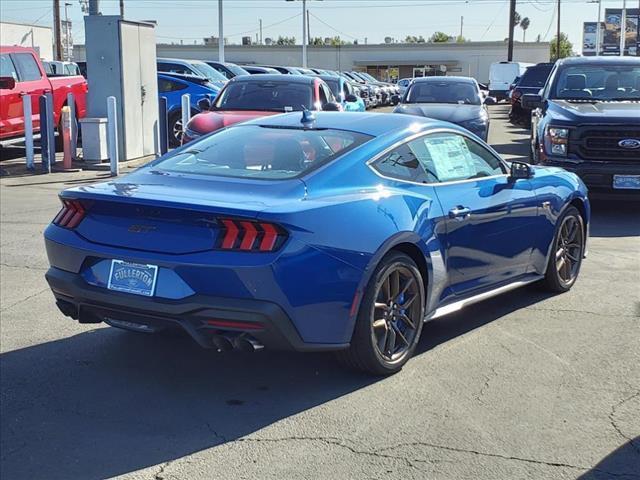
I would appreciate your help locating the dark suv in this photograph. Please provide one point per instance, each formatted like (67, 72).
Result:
(587, 120)
(532, 80)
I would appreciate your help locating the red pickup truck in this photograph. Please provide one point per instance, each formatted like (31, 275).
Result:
(22, 73)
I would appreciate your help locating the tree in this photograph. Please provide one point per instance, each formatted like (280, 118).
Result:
(414, 39)
(337, 41)
(317, 41)
(516, 19)
(439, 37)
(566, 47)
(524, 24)
(286, 40)
(461, 39)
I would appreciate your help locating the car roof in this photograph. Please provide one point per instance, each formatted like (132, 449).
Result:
(374, 124)
(444, 79)
(600, 60)
(178, 60)
(274, 77)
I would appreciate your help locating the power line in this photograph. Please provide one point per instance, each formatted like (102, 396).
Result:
(332, 28)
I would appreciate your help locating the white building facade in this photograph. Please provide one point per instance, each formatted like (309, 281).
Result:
(384, 61)
(24, 35)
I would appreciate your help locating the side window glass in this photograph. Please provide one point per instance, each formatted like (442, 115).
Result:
(450, 157)
(402, 164)
(329, 94)
(7, 68)
(27, 66)
(164, 85)
(323, 95)
(221, 70)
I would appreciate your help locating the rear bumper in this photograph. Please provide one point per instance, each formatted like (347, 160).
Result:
(264, 321)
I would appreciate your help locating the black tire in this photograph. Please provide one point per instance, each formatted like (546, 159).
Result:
(174, 128)
(567, 252)
(364, 353)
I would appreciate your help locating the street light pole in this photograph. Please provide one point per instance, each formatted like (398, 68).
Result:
(304, 33)
(67, 33)
(220, 33)
(598, 31)
(623, 27)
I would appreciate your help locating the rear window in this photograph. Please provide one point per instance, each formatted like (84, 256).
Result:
(535, 77)
(251, 151)
(266, 95)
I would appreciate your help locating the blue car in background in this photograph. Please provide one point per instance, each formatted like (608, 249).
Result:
(173, 86)
(315, 231)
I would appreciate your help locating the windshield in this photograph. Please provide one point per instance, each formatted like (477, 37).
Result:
(598, 82)
(252, 151)
(279, 96)
(535, 76)
(443, 92)
(236, 69)
(209, 72)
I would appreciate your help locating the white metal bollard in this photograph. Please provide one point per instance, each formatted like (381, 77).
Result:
(65, 131)
(112, 135)
(71, 102)
(186, 110)
(28, 130)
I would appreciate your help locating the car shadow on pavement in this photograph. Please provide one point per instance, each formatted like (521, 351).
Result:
(624, 461)
(611, 218)
(107, 402)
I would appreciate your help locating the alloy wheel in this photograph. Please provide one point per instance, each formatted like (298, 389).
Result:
(396, 313)
(569, 249)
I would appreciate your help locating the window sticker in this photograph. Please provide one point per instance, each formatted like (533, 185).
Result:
(451, 158)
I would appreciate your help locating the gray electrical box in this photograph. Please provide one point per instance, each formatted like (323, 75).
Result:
(121, 62)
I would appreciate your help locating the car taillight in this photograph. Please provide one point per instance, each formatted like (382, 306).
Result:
(71, 214)
(249, 235)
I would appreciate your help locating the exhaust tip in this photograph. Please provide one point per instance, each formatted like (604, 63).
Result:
(247, 344)
(222, 344)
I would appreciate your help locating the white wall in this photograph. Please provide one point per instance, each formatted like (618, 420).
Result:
(21, 34)
(471, 58)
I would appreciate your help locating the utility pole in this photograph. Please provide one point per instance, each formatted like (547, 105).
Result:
(512, 25)
(57, 29)
(461, 25)
(308, 29)
(623, 27)
(122, 8)
(220, 33)
(260, 21)
(558, 34)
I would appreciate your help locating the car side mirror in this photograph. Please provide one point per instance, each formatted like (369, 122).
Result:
(204, 104)
(520, 170)
(490, 100)
(531, 101)
(351, 98)
(7, 83)
(331, 107)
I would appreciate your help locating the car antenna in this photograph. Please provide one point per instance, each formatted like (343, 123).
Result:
(308, 118)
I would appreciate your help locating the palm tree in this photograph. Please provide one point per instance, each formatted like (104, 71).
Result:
(524, 24)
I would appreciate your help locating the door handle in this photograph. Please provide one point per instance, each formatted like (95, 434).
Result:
(459, 213)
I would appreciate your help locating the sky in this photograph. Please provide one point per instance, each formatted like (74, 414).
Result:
(191, 20)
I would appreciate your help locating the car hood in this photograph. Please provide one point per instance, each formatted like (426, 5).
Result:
(442, 111)
(207, 122)
(588, 112)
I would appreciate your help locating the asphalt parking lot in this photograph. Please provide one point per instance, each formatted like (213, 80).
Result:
(523, 386)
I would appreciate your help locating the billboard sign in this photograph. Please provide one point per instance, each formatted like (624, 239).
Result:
(589, 36)
(611, 39)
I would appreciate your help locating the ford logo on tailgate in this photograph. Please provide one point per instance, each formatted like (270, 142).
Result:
(630, 143)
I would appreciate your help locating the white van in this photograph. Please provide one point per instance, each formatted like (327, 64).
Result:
(502, 75)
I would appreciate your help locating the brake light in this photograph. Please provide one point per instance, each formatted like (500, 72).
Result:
(71, 214)
(250, 236)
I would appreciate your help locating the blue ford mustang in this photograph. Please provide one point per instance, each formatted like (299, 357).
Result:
(315, 231)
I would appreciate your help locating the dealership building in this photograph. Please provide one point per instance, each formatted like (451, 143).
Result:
(384, 61)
